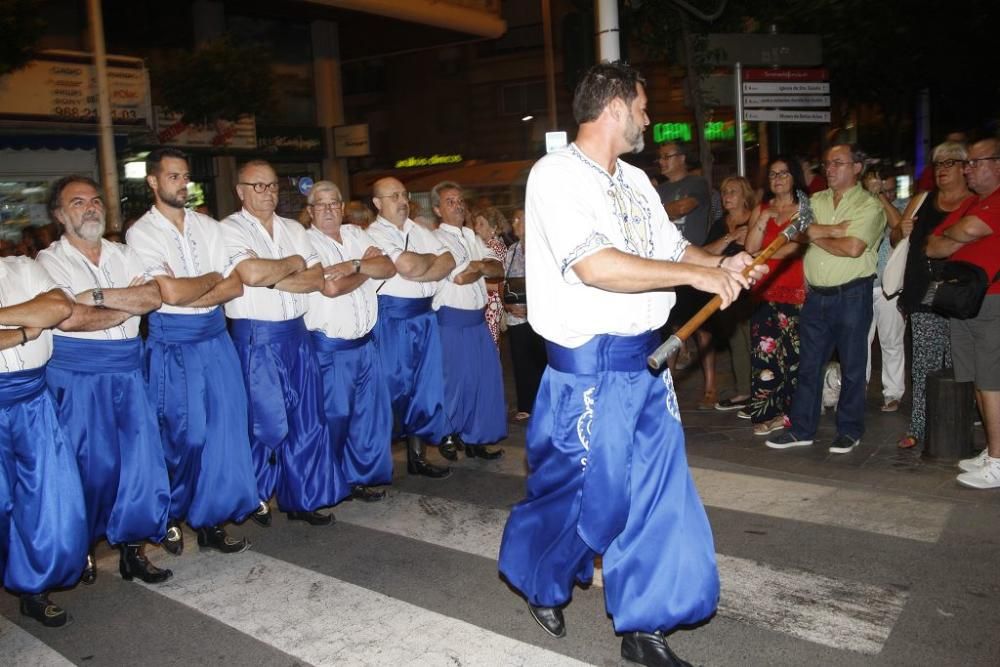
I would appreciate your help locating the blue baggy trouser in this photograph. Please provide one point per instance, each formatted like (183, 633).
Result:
(43, 519)
(473, 381)
(608, 475)
(289, 440)
(104, 409)
(196, 387)
(409, 345)
(357, 408)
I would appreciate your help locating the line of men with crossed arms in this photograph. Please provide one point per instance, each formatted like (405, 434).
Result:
(333, 348)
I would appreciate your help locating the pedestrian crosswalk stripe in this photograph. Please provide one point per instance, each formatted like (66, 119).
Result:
(19, 647)
(873, 511)
(839, 613)
(322, 620)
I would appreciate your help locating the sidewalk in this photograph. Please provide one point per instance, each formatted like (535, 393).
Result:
(876, 462)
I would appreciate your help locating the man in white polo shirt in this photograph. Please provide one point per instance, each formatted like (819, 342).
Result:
(608, 472)
(341, 318)
(407, 334)
(279, 268)
(473, 381)
(96, 377)
(194, 378)
(43, 519)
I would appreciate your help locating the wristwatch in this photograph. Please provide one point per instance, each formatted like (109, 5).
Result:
(97, 294)
(357, 265)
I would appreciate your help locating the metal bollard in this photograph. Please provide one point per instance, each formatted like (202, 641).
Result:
(950, 410)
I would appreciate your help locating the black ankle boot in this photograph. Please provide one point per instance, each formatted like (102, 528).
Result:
(417, 465)
(174, 540)
(650, 649)
(40, 608)
(133, 563)
(262, 515)
(216, 538)
(480, 452)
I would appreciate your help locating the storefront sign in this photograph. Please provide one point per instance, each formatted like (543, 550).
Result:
(351, 140)
(427, 161)
(63, 87)
(170, 129)
(274, 139)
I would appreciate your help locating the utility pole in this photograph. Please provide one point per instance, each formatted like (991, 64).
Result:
(108, 161)
(608, 34)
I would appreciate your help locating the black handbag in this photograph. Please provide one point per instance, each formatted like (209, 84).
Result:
(956, 289)
(515, 291)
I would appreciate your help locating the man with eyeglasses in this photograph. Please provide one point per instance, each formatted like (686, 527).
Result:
(685, 196)
(406, 333)
(279, 267)
(972, 234)
(473, 380)
(193, 374)
(341, 319)
(839, 266)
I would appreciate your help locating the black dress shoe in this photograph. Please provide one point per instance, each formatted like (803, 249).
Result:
(416, 464)
(550, 618)
(133, 563)
(480, 452)
(262, 515)
(216, 538)
(89, 575)
(312, 518)
(174, 540)
(367, 494)
(650, 649)
(449, 447)
(40, 608)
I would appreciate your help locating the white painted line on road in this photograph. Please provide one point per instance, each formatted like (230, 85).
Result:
(891, 514)
(839, 613)
(20, 647)
(325, 621)
(833, 612)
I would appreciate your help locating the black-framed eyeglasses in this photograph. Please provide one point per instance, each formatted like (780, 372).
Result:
(775, 175)
(261, 188)
(973, 162)
(947, 164)
(330, 206)
(395, 196)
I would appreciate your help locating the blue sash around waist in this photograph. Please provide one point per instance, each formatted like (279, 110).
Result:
(96, 356)
(21, 386)
(400, 308)
(326, 345)
(460, 317)
(603, 353)
(174, 328)
(262, 331)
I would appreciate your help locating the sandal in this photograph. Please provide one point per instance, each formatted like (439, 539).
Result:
(907, 442)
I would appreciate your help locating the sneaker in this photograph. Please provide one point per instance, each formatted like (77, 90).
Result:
(770, 426)
(786, 440)
(986, 477)
(727, 404)
(975, 463)
(891, 405)
(843, 444)
(743, 414)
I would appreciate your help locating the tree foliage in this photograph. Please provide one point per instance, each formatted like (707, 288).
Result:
(21, 26)
(219, 80)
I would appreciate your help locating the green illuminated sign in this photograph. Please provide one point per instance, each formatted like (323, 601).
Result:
(427, 161)
(714, 131)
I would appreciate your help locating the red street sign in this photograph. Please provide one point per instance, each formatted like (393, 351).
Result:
(786, 74)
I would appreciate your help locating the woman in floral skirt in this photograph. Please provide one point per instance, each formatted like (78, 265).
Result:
(774, 326)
